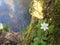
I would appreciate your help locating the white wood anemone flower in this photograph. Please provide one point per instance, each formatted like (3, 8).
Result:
(44, 26)
(1, 26)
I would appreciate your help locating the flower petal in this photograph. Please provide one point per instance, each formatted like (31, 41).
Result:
(44, 29)
(46, 24)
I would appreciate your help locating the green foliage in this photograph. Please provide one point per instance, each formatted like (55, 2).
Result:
(38, 36)
(52, 11)
(6, 27)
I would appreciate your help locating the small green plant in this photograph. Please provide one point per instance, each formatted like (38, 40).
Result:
(4, 27)
(1, 27)
(42, 34)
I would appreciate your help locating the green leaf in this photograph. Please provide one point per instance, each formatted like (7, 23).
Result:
(46, 33)
(39, 32)
(51, 29)
(6, 27)
(44, 38)
(43, 42)
(33, 33)
(36, 39)
(35, 43)
(39, 23)
(50, 44)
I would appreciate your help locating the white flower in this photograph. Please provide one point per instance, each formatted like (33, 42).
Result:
(1, 26)
(44, 26)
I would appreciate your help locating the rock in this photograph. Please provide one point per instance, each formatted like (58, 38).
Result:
(10, 38)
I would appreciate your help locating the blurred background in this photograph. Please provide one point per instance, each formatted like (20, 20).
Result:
(15, 13)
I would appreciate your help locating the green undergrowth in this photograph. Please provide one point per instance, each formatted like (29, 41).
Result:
(37, 36)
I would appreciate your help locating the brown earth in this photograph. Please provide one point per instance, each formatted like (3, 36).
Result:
(10, 38)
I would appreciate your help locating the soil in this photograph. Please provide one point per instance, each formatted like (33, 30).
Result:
(10, 38)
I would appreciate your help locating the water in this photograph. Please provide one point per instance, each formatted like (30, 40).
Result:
(15, 13)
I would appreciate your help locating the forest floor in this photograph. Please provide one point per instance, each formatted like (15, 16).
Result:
(15, 38)
(10, 38)
(58, 40)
